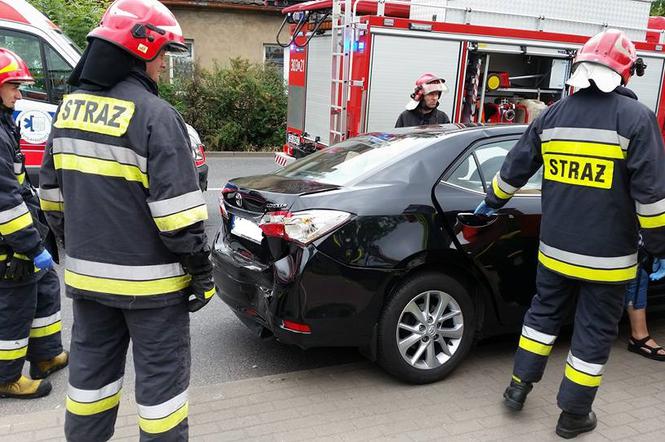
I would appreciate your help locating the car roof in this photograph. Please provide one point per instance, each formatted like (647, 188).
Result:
(478, 129)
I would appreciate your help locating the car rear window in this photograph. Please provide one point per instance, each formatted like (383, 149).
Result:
(347, 161)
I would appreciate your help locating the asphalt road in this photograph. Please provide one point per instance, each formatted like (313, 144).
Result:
(223, 349)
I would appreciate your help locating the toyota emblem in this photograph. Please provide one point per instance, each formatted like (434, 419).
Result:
(238, 200)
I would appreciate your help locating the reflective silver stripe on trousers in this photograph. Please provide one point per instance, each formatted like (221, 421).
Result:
(14, 344)
(88, 396)
(48, 320)
(18, 168)
(585, 134)
(50, 194)
(596, 262)
(650, 209)
(585, 367)
(176, 204)
(164, 409)
(115, 271)
(84, 148)
(505, 186)
(537, 336)
(13, 213)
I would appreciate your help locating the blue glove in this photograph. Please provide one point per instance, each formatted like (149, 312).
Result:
(484, 210)
(658, 270)
(44, 260)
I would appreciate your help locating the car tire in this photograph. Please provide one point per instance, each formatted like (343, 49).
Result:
(401, 335)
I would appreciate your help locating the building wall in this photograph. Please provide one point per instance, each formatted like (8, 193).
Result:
(220, 35)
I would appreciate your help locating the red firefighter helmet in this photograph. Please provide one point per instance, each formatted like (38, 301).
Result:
(425, 84)
(13, 69)
(613, 49)
(141, 27)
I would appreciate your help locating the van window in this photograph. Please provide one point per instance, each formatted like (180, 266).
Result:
(58, 73)
(28, 48)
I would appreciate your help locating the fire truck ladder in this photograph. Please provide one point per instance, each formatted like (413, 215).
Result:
(343, 36)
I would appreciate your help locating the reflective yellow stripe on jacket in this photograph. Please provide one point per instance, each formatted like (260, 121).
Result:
(125, 280)
(590, 268)
(100, 159)
(51, 200)
(15, 219)
(652, 215)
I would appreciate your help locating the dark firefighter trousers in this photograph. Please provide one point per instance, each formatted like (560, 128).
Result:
(599, 309)
(161, 350)
(30, 325)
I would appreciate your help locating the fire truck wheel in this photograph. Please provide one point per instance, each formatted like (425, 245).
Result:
(426, 329)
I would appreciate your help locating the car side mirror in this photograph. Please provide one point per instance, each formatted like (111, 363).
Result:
(469, 219)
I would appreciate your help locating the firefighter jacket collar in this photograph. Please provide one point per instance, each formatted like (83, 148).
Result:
(605, 78)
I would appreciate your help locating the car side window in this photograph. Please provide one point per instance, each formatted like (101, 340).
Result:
(28, 48)
(488, 159)
(491, 155)
(58, 73)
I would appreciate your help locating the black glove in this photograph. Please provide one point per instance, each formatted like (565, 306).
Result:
(19, 268)
(202, 286)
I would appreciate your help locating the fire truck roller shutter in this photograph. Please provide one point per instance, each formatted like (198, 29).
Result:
(647, 87)
(317, 101)
(397, 61)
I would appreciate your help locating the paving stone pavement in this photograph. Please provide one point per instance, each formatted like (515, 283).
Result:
(360, 402)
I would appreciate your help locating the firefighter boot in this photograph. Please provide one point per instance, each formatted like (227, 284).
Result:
(40, 370)
(515, 394)
(24, 388)
(570, 425)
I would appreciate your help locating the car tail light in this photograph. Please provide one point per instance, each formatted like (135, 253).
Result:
(301, 227)
(296, 327)
(199, 155)
(222, 207)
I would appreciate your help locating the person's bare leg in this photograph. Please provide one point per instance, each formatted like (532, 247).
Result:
(638, 326)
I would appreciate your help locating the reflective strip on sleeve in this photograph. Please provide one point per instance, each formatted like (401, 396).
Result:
(180, 211)
(498, 190)
(20, 178)
(600, 136)
(125, 280)
(583, 373)
(46, 326)
(51, 199)
(89, 402)
(13, 349)
(163, 417)
(18, 168)
(651, 215)
(590, 268)
(15, 219)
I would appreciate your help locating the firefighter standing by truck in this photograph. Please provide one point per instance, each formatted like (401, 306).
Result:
(29, 287)
(119, 164)
(422, 110)
(603, 158)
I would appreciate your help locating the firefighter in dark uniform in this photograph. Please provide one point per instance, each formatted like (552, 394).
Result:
(29, 287)
(603, 161)
(422, 110)
(119, 183)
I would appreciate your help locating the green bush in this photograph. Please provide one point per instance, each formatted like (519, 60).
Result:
(241, 107)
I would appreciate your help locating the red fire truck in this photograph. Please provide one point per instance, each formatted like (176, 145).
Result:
(353, 63)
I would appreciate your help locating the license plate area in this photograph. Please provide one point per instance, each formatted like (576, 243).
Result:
(246, 229)
(293, 139)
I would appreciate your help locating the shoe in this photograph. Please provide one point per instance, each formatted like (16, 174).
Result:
(570, 425)
(25, 388)
(515, 394)
(40, 370)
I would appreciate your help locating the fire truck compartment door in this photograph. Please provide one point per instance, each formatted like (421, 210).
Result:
(647, 87)
(317, 101)
(397, 61)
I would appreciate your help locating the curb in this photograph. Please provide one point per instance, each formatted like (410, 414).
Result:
(215, 154)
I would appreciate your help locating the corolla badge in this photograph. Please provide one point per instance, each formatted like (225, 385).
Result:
(238, 200)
